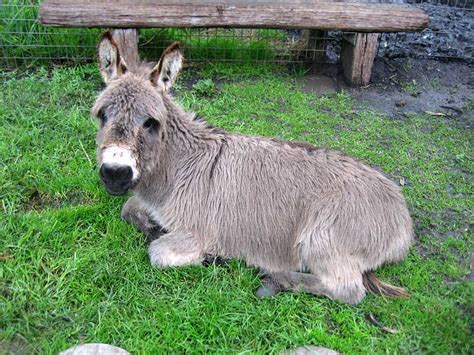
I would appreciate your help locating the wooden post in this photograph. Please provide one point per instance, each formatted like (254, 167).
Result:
(357, 57)
(127, 41)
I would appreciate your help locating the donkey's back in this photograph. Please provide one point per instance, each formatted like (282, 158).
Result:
(290, 207)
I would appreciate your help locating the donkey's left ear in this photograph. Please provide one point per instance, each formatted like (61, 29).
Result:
(111, 64)
(165, 73)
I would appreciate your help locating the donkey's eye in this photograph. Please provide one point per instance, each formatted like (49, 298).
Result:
(151, 125)
(102, 117)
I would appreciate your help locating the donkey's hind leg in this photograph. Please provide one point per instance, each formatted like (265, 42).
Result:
(135, 214)
(276, 282)
(343, 283)
(349, 291)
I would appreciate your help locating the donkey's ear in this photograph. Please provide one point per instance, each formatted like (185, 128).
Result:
(165, 73)
(111, 64)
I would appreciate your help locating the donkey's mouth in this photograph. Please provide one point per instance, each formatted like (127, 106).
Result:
(119, 189)
(116, 191)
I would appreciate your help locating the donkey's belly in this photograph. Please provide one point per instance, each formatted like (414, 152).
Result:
(271, 250)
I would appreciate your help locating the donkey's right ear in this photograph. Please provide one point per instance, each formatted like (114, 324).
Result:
(110, 62)
(165, 73)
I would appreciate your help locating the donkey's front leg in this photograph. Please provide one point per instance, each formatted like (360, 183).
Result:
(175, 249)
(134, 213)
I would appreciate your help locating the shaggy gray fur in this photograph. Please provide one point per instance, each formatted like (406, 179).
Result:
(312, 219)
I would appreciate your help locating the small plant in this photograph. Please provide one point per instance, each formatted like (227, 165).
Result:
(205, 87)
(407, 67)
(413, 88)
(469, 105)
(435, 84)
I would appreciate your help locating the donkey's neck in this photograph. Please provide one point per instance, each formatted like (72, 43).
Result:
(190, 148)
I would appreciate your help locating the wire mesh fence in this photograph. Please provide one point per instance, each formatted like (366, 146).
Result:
(23, 40)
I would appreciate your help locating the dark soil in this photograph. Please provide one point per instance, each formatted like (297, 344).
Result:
(404, 86)
(449, 35)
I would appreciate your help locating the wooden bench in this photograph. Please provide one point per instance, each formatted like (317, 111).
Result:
(363, 21)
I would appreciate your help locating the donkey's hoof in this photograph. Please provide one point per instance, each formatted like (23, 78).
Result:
(213, 260)
(154, 233)
(265, 291)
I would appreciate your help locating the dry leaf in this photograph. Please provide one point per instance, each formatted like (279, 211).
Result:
(435, 113)
(5, 256)
(370, 317)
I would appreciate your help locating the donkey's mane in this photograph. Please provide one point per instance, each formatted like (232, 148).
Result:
(142, 69)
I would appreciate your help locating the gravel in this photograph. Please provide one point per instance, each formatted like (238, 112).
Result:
(449, 36)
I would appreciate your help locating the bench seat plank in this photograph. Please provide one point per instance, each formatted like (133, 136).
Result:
(299, 14)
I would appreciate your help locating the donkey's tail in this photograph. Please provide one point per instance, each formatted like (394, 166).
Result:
(378, 287)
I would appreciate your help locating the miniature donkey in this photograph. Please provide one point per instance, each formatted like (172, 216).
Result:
(310, 219)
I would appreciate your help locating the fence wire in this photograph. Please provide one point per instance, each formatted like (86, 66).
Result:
(24, 41)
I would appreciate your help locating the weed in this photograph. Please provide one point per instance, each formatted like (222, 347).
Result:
(435, 84)
(469, 105)
(205, 87)
(413, 88)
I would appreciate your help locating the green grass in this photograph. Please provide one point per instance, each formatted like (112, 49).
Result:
(73, 272)
(24, 41)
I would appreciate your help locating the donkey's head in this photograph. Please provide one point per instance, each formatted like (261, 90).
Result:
(132, 113)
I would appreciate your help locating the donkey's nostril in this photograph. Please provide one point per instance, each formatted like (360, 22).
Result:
(117, 178)
(116, 173)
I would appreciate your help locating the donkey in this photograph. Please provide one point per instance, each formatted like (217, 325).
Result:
(310, 219)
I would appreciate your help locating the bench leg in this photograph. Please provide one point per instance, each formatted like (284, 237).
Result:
(357, 55)
(127, 41)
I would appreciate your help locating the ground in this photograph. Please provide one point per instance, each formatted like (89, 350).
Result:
(72, 271)
(406, 86)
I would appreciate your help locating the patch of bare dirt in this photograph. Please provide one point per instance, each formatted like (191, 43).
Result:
(38, 201)
(404, 86)
(16, 346)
